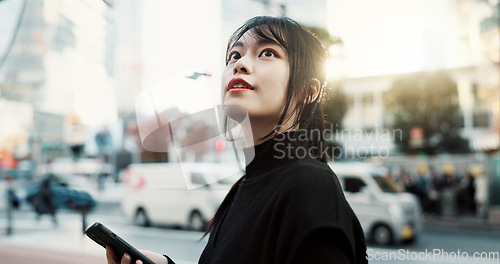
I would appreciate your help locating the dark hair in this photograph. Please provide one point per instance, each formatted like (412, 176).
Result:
(307, 59)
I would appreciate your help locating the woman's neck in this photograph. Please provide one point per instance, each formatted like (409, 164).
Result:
(260, 131)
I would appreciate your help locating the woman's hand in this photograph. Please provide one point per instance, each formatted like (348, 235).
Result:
(126, 259)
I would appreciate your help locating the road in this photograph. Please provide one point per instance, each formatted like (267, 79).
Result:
(439, 245)
(40, 240)
(47, 243)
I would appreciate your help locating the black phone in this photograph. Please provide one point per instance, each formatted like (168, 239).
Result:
(105, 237)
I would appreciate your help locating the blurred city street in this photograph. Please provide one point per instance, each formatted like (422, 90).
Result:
(112, 109)
(40, 240)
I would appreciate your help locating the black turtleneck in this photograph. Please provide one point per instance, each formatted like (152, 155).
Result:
(289, 208)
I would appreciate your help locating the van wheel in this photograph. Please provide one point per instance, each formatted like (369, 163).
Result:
(196, 222)
(141, 218)
(382, 235)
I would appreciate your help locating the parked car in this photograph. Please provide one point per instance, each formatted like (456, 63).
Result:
(170, 195)
(386, 214)
(70, 193)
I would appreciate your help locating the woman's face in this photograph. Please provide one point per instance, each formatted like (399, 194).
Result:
(256, 79)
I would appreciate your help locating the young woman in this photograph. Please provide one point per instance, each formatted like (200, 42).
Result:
(289, 206)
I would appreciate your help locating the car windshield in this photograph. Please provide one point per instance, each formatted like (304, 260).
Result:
(386, 183)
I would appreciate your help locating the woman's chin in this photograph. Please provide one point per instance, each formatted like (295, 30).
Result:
(236, 112)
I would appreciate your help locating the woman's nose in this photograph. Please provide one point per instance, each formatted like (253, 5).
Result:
(240, 69)
(242, 66)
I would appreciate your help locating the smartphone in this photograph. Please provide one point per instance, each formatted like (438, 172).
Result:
(105, 237)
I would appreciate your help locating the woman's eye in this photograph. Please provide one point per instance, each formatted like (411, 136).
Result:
(268, 53)
(234, 56)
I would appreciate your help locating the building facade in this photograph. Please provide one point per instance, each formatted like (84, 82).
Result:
(470, 57)
(60, 60)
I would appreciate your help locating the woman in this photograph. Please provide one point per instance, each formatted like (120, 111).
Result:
(289, 206)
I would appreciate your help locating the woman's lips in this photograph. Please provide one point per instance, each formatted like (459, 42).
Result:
(233, 90)
(238, 85)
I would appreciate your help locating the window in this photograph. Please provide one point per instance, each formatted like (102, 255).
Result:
(353, 184)
(386, 183)
(367, 99)
(481, 119)
(64, 36)
(197, 178)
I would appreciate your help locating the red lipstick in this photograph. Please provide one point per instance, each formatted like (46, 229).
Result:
(238, 85)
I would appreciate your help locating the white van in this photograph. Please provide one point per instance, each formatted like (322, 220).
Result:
(386, 214)
(168, 194)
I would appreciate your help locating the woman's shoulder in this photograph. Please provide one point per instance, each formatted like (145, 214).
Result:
(310, 190)
(309, 173)
(309, 169)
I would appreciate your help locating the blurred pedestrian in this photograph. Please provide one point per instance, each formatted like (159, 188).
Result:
(43, 201)
(449, 189)
(467, 192)
(123, 159)
(433, 194)
(481, 192)
(104, 142)
(408, 183)
(288, 207)
(11, 202)
(423, 185)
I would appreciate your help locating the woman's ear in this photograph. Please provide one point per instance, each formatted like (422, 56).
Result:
(315, 86)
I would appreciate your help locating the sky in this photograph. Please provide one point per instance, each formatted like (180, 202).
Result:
(391, 36)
